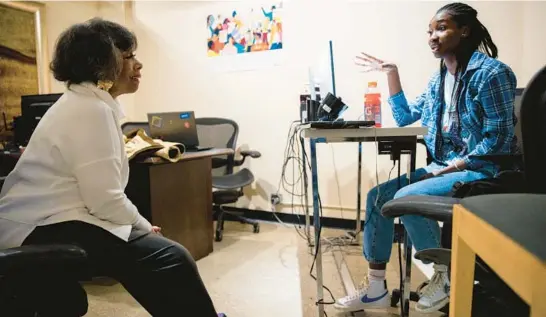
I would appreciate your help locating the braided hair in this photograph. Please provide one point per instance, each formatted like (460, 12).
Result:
(478, 38)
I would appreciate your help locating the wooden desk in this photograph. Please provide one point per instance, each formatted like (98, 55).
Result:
(178, 198)
(506, 231)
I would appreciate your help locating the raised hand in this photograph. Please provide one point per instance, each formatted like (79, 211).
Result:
(370, 64)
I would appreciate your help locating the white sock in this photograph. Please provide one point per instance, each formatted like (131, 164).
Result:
(376, 275)
(377, 285)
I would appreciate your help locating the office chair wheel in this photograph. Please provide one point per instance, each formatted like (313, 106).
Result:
(218, 237)
(257, 228)
(395, 298)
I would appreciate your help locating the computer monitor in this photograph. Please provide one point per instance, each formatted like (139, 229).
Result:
(33, 108)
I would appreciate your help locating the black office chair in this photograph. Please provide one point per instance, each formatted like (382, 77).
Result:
(532, 116)
(223, 133)
(42, 280)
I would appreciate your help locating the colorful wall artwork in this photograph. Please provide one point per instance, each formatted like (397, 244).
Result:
(245, 30)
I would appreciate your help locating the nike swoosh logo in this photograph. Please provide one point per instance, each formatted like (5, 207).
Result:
(366, 299)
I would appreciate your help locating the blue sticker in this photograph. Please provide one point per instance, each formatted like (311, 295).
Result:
(185, 115)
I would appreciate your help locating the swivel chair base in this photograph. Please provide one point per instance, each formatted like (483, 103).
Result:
(220, 222)
(396, 297)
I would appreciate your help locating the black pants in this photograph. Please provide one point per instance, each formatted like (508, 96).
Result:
(159, 273)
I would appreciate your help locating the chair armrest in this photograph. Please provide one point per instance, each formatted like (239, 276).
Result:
(244, 154)
(505, 161)
(30, 257)
(438, 208)
(251, 153)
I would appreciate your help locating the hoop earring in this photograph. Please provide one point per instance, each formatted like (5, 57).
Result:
(105, 84)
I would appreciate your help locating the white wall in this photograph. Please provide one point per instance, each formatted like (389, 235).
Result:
(116, 11)
(59, 16)
(534, 45)
(57, 20)
(178, 76)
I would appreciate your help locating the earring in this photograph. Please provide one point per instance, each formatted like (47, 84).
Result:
(105, 84)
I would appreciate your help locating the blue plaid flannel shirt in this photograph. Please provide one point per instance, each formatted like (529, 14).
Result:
(486, 112)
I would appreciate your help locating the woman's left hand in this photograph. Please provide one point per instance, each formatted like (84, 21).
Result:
(370, 63)
(156, 229)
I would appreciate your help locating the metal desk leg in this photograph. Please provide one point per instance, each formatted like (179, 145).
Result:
(306, 196)
(404, 294)
(413, 156)
(317, 225)
(407, 294)
(408, 249)
(358, 189)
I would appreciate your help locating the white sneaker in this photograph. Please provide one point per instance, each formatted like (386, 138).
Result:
(435, 295)
(374, 295)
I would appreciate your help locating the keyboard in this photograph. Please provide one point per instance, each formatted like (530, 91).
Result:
(198, 148)
(341, 124)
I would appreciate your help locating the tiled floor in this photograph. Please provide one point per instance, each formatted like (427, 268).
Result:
(247, 275)
(250, 275)
(254, 275)
(358, 267)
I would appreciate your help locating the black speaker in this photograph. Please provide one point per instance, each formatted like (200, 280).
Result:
(331, 108)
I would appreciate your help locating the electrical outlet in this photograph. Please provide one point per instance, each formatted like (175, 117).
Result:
(275, 199)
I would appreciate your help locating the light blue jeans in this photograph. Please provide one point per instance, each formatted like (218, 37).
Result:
(424, 233)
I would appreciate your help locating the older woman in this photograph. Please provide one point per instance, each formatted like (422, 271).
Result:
(68, 186)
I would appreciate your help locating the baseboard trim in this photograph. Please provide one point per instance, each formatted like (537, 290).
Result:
(327, 222)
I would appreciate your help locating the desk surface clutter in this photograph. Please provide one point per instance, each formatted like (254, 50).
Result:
(188, 156)
(140, 147)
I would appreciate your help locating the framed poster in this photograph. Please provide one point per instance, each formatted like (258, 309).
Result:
(23, 55)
